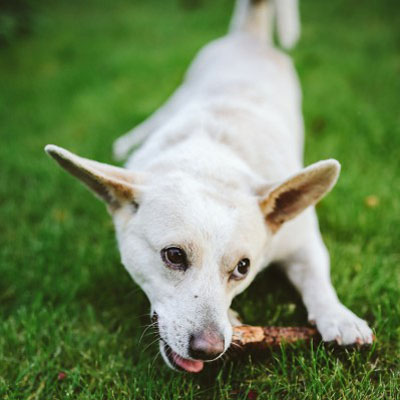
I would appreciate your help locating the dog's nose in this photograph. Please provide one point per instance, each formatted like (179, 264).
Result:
(206, 345)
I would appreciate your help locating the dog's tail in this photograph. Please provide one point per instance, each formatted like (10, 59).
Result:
(257, 17)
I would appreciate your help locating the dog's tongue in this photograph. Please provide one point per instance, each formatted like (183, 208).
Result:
(187, 365)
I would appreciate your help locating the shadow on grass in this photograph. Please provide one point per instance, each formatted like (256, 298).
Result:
(271, 300)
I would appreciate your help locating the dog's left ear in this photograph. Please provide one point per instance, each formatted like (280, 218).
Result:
(288, 199)
(114, 185)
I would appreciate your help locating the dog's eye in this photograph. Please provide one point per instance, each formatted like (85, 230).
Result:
(241, 270)
(175, 258)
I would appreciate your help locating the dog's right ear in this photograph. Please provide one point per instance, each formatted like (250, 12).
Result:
(113, 185)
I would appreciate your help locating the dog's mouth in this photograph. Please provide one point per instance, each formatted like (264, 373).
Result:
(180, 363)
(174, 359)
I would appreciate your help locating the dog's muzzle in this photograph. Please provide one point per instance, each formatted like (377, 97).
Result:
(203, 346)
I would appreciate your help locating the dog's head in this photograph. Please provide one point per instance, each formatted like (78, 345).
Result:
(191, 246)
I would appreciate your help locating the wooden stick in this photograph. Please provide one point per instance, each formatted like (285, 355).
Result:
(262, 337)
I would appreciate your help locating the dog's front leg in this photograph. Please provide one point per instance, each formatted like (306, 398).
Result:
(308, 270)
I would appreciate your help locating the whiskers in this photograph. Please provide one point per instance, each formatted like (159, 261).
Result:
(234, 344)
(149, 329)
(229, 354)
(158, 337)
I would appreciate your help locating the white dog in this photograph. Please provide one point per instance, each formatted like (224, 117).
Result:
(217, 191)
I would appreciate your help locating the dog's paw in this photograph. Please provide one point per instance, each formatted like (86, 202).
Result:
(234, 318)
(343, 326)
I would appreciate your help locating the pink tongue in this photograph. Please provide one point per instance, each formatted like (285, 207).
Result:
(187, 365)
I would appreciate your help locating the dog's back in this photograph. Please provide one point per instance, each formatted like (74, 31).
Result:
(246, 86)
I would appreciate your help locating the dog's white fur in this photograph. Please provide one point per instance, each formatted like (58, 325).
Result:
(220, 175)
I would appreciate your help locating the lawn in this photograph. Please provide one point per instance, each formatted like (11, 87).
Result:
(71, 319)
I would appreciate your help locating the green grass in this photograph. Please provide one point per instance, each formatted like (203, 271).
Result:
(89, 72)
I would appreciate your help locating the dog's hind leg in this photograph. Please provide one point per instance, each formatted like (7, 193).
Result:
(124, 144)
(308, 270)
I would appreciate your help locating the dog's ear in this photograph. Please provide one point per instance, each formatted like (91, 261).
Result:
(289, 198)
(111, 184)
